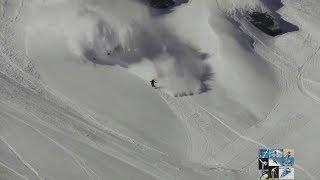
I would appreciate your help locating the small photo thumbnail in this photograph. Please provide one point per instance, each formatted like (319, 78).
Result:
(275, 157)
(264, 153)
(263, 163)
(264, 174)
(288, 157)
(274, 172)
(286, 173)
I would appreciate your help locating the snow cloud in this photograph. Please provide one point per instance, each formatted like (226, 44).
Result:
(126, 34)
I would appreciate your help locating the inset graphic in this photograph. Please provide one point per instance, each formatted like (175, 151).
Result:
(276, 163)
(288, 157)
(274, 172)
(264, 153)
(265, 174)
(286, 173)
(275, 157)
(263, 163)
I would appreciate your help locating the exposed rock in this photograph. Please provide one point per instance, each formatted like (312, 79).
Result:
(161, 4)
(265, 23)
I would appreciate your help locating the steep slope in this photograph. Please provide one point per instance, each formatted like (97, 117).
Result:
(75, 101)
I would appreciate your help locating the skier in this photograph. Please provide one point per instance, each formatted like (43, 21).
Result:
(153, 82)
(273, 172)
(263, 163)
(285, 172)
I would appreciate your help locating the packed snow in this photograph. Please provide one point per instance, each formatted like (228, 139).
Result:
(233, 76)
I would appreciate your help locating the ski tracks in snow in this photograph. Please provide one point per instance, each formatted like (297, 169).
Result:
(20, 158)
(198, 120)
(282, 62)
(190, 119)
(182, 112)
(300, 78)
(89, 172)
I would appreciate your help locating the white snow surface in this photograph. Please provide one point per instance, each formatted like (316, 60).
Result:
(76, 102)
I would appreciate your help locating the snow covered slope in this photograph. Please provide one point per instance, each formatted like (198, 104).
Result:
(75, 99)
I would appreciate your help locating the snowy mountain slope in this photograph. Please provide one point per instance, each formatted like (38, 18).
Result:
(75, 101)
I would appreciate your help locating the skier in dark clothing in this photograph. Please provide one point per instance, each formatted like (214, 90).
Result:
(153, 82)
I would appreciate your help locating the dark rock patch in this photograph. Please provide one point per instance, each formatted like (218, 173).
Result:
(273, 5)
(161, 4)
(272, 23)
(162, 7)
(265, 23)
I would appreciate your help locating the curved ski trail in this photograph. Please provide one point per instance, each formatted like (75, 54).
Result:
(207, 137)
(181, 112)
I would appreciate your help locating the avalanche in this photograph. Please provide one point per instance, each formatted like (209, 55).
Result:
(234, 76)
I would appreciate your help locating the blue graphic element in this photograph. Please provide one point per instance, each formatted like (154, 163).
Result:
(276, 163)
(288, 161)
(285, 172)
(288, 158)
(276, 157)
(263, 153)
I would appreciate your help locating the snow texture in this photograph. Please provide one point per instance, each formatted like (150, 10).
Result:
(76, 102)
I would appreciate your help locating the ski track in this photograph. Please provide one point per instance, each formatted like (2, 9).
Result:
(13, 171)
(112, 153)
(175, 109)
(246, 138)
(78, 109)
(184, 114)
(285, 63)
(300, 79)
(279, 64)
(164, 97)
(76, 158)
(21, 158)
(87, 115)
(301, 87)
